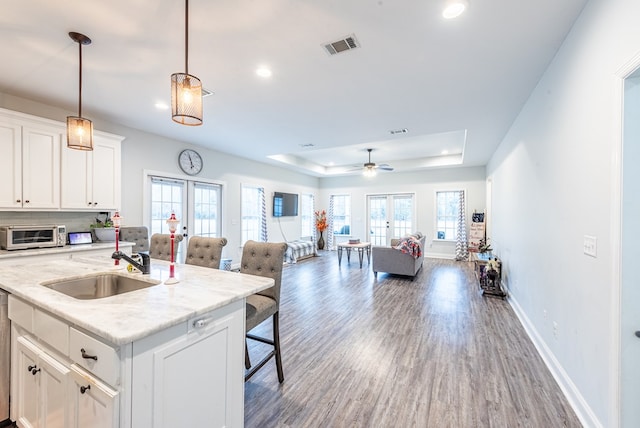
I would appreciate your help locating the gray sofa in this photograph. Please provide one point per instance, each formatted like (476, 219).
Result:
(392, 260)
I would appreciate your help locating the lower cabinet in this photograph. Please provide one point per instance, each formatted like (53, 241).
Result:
(93, 404)
(53, 394)
(188, 375)
(42, 384)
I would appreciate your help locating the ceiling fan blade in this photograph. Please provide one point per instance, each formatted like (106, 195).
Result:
(385, 167)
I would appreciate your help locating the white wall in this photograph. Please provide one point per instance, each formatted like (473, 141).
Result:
(423, 184)
(553, 180)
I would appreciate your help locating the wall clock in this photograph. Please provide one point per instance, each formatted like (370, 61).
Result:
(190, 161)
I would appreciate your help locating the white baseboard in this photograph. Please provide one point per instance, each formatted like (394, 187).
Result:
(569, 389)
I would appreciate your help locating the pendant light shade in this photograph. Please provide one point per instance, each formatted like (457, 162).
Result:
(186, 90)
(186, 99)
(79, 129)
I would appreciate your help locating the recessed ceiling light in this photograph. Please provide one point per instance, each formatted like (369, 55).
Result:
(454, 8)
(398, 131)
(263, 71)
(162, 105)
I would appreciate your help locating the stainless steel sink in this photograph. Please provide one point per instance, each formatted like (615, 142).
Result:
(98, 286)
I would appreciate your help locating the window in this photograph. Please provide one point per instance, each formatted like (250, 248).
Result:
(340, 208)
(447, 204)
(254, 220)
(307, 218)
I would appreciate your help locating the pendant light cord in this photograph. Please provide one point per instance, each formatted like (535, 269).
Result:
(186, 37)
(80, 80)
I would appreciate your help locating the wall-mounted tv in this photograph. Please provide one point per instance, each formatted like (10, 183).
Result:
(285, 204)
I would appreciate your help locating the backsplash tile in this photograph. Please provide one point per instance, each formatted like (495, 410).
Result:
(74, 221)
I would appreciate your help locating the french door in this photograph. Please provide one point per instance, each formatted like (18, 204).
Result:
(198, 206)
(389, 216)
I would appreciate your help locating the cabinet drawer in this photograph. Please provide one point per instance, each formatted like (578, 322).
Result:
(99, 358)
(21, 313)
(52, 331)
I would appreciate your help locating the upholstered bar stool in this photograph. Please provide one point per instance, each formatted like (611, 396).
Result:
(160, 247)
(264, 259)
(206, 252)
(139, 235)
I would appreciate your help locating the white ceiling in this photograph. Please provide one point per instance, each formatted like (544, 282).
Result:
(455, 85)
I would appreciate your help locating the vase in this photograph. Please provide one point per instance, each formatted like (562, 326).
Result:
(321, 242)
(105, 234)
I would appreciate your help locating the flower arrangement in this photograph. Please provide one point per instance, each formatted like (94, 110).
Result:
(321, 220)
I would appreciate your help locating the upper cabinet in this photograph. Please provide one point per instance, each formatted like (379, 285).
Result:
(91, 180)
(31, 167)
(39, 172)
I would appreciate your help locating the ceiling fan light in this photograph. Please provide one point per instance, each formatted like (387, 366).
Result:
(186, 99)
(79, 133)
(454, 8)
(369, 172)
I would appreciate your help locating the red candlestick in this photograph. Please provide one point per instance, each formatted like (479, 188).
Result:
(117, 261)
(172, 222)
(116, 219)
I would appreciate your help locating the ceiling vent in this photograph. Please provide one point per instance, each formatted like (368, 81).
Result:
(398, 131)
(345, 44)
(206, 92)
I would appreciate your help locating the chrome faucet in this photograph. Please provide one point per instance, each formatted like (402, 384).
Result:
(145, 267)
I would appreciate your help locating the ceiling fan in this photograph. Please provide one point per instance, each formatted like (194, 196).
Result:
(370, 167)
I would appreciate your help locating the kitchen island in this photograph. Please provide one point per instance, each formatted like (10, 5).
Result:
(162, 356)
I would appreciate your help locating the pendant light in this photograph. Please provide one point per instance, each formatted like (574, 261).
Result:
(186, 90)
(79, 129)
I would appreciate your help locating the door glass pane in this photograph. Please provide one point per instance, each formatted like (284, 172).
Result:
(378, 220)
(206, 210)
(166, 197)
(402, 215)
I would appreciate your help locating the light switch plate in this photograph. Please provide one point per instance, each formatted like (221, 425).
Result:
(590, 246)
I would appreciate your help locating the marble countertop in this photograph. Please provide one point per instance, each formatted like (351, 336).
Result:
(130, 316)
(6, 254)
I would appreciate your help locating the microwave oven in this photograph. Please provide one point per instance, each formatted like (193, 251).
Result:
(22, 237)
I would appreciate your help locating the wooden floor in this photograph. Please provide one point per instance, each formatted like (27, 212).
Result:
(391, 352)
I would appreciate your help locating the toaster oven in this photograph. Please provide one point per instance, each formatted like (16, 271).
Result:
(22, 237)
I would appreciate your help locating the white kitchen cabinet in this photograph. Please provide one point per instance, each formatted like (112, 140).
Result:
(41, 387)
(90, 180)
(192, 375)
(93, 403)
(30, 167)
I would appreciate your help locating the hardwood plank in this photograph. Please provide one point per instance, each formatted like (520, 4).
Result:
(395, 352)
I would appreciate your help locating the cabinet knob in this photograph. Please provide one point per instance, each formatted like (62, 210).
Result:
(84, 389)
(89, 203)
(26, 201)
(31, 368)
(18, 200)
(87, 356)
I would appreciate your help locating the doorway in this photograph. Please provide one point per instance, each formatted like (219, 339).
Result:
(629, 377)
(389, 216)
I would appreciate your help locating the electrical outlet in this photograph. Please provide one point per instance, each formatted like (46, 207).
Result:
(590, 246)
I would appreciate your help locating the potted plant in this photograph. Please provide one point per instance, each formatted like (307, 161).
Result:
(103, 230)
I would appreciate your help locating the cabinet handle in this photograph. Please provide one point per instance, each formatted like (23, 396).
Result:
(31, 368)
(26, 201)
(84, 389)
(87, 356)
(18, 200)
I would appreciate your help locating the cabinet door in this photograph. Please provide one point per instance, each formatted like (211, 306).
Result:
(75, 179)
(194, 380)
(106, 173)
(93, 404)
(27, 388)
(42, 388)
(41, 166)
(10, 165)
